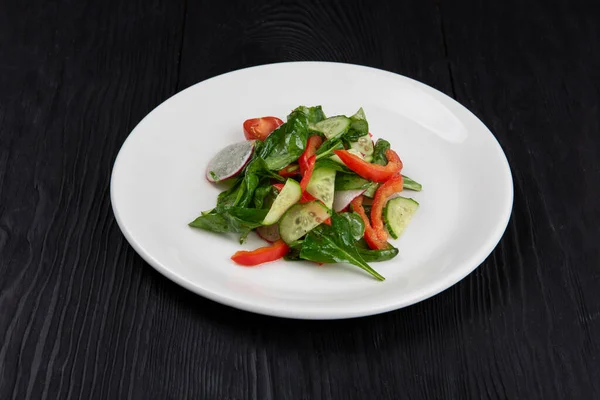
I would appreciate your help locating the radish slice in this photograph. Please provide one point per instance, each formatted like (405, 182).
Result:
(270, 233)
(343, 198)
(229, 161)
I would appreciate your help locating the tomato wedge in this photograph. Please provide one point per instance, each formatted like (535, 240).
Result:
(372, 172)
(394, 185)
(373, 240)
(312, 145)
(260, 128)
(262, 254)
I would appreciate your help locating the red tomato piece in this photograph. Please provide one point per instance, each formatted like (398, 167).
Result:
(260, 128)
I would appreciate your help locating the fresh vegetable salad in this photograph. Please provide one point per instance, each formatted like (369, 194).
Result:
(315, 188)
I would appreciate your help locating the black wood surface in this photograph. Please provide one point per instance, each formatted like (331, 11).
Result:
(82, 316)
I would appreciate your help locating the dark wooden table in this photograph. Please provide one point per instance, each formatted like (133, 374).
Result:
(82, 316)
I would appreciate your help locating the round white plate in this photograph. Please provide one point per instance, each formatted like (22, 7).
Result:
(158, 186)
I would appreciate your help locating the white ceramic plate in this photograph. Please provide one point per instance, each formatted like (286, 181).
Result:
(158, 186)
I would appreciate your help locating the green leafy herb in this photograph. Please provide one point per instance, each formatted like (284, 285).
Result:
(378, 255)
(410, 184)
(286, 143)
(327, 163)
(230, 219)
(328, 146)
(379, 152)
(350, 181)
(314, 114)
(357, 130)
(335, 243)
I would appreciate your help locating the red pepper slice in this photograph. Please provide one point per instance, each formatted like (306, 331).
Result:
(372, 172)
(262, 254)
(289, 171)
(310, 167)
(306, 197)
(370, 235)
(394, 185)
(312, 145)
(278, 186)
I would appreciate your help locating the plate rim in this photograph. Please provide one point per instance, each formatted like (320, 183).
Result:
(470, 264)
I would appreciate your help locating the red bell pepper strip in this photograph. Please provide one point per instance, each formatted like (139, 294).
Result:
(289, 171)
(394, 185)
(312, 145)
(370, 235)
(262, 254)
(372, 172)
(306, 197)
(278, 186)
(310, 167)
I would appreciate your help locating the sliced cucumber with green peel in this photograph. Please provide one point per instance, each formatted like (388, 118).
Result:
(301, 219)
(364, 145)
(290, 194)
(397, 213)
(322, 185)
(333, 126)
(351, 151)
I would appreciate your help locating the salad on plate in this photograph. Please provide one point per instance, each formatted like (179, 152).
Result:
(315, 188)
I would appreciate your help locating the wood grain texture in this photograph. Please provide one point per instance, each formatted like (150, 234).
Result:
(82, 316)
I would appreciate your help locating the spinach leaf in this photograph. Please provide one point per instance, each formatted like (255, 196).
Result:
(231, 196)
(230, 219)
(350, 181)
(315, 114)
(357, 130)
(249, 185)
(327, 163)
(379, 152)
(378, 255)
(328, 146)
(410, 184)
(358, 127)
(356, 224)
(256, 174)
(261, 196)
(375, 255)
(335, 243)
(286, 143)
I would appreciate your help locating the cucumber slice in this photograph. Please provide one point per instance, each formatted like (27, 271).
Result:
(397, 213)
(289, 195)
(301, 219)
(351, 151)
(364, 145)
(333, 126)
(322, 185)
